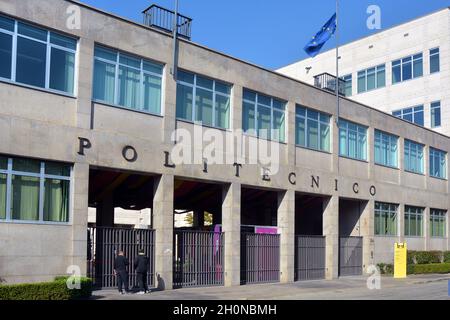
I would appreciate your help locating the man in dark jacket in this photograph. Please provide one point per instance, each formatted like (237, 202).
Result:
(121, 271)
(141, 266)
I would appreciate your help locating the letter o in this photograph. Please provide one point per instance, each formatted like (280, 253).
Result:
(373, 191)
(134, 156)
(356, 187)
(292, 175)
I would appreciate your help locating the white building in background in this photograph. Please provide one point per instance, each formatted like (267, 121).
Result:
(403, 70)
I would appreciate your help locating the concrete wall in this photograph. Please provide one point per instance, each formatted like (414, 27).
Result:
(53, 131)
(424, 33)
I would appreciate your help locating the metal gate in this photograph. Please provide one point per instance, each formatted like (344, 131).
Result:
(350, 256)
(198, 259)
(260, 258)
(309, 257)
(105, 243)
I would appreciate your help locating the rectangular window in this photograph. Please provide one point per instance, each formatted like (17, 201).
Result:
(413, 221)
(372, 78)
(386, 149)
(407, 68)
(435, 114)
(434, 60)
(414, 157)
(264, 116)
(211, 105)
(352, 140)
(348, 85)
(413, 114)
(385, 219)
(127, 81)
(438, 222)
(438, 163)
(37, 191)
(40, 58)
(312, 129)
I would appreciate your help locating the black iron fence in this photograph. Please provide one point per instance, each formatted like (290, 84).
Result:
(260, 258)
(163, 19)
(327, 82)
(350, 256)
(105, 243)
(309, 257)
(198, 259)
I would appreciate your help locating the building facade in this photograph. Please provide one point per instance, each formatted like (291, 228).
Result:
(91, 117)
(403, 70)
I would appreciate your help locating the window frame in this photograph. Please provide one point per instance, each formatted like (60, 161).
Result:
(194, 86)
(433, 55)
(401, 62)
(422, 162)
(441, 217)
(401, 113)
(358, 134)
(416, 212)
(320, 123)
(436, 105)
(386, 135)
(256, 104)
(386, 214)
(376, 70)
(441, 155)
(49, 46)
(348, 85)
(9, 172)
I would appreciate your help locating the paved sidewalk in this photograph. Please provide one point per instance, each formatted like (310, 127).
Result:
(420, 287)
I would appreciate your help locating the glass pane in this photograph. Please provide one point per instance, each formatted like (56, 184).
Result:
(205, 82)
(362, 146)
(33, 32)
(204, 107)
(343, 142)
(352, 143)
(279, 124)
(105, 53)
(370, 79)
(265, 100)
(222, 111)
(406, 70)
(31, 57)
(2, 196)
(184, 102)
(249, 95)
(129, 87)
(300, 132)
(361, 83)
(57, 169)
(223, 88)
(248, 116)
(324, 137)
(129, 61)
(62, 70)
(26, 165)
(396, 74)
(418, 118)
(104, 81)
(6, 23)
(63, 41)
(264, 125)
(434, 63)
(152, 93)
(185, 77)
(280, 105)
(56, 200)
(5, 55)
(153, 67)
(381, 78)
(3, 163)
(418, 68)
(25, 198)
(313, 134)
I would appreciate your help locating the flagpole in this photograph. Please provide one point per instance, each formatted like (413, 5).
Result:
(337, 77)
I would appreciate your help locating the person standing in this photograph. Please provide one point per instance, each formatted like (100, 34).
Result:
(121, 272)
(141, 264)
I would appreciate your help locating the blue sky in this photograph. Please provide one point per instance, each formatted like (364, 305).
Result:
(273, 33)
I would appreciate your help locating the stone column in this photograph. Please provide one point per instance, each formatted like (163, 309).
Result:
(163, 220)
(84, 85)
(231, 226)
(426, 228)
(80, 183)
(331, 233)
(169, 106)
(367, 231)
(286, 228)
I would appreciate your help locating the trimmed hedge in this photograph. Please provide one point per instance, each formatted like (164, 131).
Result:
(54, 290)
(425, 257)
(447, 256)
(386, 268)
(429, 268)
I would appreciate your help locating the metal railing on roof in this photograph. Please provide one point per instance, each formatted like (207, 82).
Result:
(327, 82)
(162, 19)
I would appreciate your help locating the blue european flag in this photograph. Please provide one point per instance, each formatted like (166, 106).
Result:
(314, 46)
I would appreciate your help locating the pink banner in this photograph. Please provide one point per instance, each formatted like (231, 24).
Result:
(266, 230)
